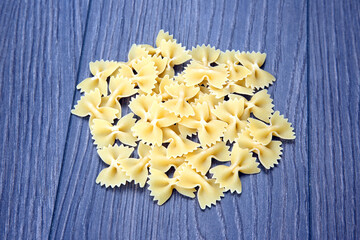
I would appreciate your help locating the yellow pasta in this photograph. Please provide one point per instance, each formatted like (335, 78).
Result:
(162, 35)
(175, 53)
(180, 94)
(205, 54)
(231, 112)
(153, 119)
(236, 71)
(160, 161)
(258, 78)
(231, 87)
(228, 176)
(101, 71)
(136, 52)
(159, 62)
(136, 169)
(142, 103)
(182, 118)
(209, 191)
(119, 87)
(114, 175)
(268, 154)
(260, 105)
(195, 73)
(145, 74)
(209, 130)
(161, 186)
(89, 105)
(178, 145)
(200, 159)
(279, 127)
(210, 99)
(185, 131)
(104, 133)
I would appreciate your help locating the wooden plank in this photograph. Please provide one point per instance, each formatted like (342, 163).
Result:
(334, 86)
(39, 58)
(273, 204)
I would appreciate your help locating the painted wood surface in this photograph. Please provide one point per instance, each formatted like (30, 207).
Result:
(49, 164)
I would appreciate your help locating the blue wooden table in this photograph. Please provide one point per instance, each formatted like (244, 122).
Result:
(48, 163)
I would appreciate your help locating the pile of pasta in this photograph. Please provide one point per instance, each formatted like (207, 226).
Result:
(183, 123)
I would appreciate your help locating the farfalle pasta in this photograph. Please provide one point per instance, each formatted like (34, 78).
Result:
(137, 169)
(200, 159)
(101, 71)
(279, 127)
(209, 191)
(183, 123)
(268, 154)
(178, 145)
(196, 73)
(160, 161)
(89, 105)
(161, 186)
(241, 162)
(104, 133)
(209, 130)
(180, 94)
(114, 175)
(119, 87)
(258, 78)
(205, 54)
(231, 112)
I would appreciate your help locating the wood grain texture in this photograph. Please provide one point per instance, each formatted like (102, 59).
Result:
(49, 164)
(334, 87)
(273, 204)
(39, 58)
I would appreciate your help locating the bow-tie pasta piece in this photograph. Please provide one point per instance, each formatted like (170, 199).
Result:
(136, 52)
(241, 162)
(260, 105)
(137, 169)
(149, 127)
(196, 73)
(159, 89)
(144, 76)
(178, 145)
(258, 78)
(161, 186)
(114, 175)
(159, 62)
(185, 131)
(209, 129)
(119, 87)
(160, 161)
(210, 99)
(101, 71)
(236, 71)
(279, 127)
(205, 54)
(200, 159)
(89, 105)
(142, 103)
(231, 112)
(151, 50)
(209, 191)
(180, 95)
(231, 87)
(175, 53)
(268, 154)
(104, 133)
(162, 35)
